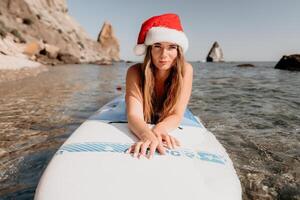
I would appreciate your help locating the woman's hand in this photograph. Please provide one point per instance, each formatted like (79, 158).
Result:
(164, 138)
(148, 141)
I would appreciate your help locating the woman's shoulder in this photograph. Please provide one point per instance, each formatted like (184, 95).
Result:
(136, 68)
(188, 65)
(134, 71)
(188, 68)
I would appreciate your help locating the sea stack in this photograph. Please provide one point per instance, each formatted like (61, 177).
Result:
(215, 54)
(109, 42)
(291, 62)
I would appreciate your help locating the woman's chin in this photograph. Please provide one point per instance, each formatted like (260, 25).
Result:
(163, 66)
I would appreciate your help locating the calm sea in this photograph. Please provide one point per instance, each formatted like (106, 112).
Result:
(254, 112)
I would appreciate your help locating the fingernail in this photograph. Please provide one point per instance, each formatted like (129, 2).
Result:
(140, 155)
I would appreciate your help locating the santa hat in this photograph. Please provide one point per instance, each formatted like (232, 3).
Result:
(162, 28)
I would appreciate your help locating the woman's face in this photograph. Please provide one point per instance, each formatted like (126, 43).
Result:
(164, 55)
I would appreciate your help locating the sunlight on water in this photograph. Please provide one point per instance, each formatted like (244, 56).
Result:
(254, 112)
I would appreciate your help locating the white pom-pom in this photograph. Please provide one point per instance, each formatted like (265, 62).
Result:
(140, 49)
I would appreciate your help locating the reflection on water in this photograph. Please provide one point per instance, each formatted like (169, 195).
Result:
(254, 112)
(37, 114)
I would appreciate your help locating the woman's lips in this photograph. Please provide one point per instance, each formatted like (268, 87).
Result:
(163, 62)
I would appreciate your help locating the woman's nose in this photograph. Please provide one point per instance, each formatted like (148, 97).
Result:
(164, 52)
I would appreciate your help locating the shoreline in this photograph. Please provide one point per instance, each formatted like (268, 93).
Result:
(15, 68)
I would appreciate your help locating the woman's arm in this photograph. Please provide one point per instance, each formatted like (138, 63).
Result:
(134, 105)
(135, 116)
(173, 120)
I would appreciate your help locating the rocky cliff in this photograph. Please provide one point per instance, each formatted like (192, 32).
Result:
(42, 31)
(215, 54)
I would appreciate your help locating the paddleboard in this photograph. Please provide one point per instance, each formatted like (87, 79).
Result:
(92, 164)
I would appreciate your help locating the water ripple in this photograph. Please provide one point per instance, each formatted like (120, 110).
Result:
(254, 112)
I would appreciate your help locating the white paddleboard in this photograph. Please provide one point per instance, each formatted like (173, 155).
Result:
(91, 164)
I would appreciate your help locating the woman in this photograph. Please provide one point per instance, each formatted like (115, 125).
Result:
(158, 90)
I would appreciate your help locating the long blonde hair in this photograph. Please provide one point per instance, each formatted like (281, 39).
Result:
(173, 85)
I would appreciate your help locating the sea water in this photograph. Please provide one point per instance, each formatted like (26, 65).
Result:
(253, 111)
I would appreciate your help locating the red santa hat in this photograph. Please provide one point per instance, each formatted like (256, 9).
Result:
(162, 28)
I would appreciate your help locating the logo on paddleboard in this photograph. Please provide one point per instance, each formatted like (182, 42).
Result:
(121, 148)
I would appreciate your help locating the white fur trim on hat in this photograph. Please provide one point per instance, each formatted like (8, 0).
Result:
(140, 49)
(162, 34)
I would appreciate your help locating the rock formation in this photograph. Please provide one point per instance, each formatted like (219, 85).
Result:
(43, 32)
(109, 42)
(291, 62)
(215, 54)
(245, 65)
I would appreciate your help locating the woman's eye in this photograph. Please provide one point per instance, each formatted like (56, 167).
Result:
(156, 46)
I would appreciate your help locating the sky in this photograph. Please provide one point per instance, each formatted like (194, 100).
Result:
(256, 30)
